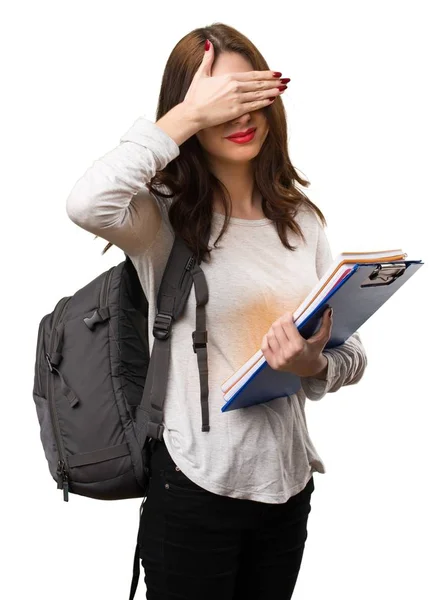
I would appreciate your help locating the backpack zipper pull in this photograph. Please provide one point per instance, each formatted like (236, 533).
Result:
(62, 479)
(65, 490)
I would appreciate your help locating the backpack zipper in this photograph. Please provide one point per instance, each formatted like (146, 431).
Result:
(62, 467)
(104, 292)
(190, 264)
(40, 346)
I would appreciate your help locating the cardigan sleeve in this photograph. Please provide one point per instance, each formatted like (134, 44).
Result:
(345, 363)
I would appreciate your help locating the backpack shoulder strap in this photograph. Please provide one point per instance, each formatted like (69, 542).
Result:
(180, 273)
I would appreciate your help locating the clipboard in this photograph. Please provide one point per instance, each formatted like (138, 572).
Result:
(354, 300)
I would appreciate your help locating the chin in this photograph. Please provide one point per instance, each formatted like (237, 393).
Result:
(240, 154)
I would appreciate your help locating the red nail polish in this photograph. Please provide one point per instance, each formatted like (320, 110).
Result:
(285, 80)
(277, 74)
(281, 88)
(207, 45)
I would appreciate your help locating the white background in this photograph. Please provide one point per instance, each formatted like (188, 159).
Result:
(365, 108)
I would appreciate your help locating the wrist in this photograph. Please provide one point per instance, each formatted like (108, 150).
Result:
(190, 115)
(321, 369)
(180, 123)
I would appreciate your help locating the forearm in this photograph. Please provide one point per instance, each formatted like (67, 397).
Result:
(180, 123)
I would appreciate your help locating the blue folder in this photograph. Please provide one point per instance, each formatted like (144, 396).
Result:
(354, 299)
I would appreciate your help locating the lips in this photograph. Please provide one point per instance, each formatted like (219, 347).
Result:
(242, 133)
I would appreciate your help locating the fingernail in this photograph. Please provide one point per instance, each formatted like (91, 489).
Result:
(331, 313)
(207, 45)
(277, 74)
(285, 80)
(282, 88)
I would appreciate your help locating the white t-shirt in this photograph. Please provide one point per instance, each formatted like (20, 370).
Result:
(262, 453)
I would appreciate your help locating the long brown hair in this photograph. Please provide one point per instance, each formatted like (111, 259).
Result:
(188, 176)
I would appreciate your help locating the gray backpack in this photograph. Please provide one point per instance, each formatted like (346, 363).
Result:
(99, 394)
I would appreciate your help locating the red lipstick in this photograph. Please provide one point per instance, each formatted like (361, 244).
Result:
(242, 137)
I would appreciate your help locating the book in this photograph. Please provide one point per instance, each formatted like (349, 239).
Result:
(355, 286)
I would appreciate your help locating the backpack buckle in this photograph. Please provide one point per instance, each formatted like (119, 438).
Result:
(155, 431)
(200, 339)
(162, 326)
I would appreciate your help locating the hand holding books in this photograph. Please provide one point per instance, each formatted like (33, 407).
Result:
(356, 285)
(285, 349)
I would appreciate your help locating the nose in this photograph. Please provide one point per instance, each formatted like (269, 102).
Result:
(243, 119)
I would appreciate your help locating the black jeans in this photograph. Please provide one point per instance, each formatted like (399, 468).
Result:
(196, 545)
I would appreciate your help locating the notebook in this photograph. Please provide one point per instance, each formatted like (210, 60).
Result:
(356, 285)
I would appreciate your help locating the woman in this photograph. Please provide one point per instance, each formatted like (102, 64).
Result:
(226, 512)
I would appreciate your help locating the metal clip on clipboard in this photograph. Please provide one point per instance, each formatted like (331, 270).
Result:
(384, 274)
